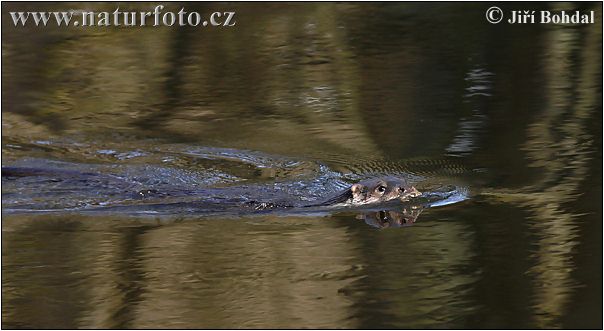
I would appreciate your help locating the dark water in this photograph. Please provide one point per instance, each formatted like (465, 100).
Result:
(305, 99)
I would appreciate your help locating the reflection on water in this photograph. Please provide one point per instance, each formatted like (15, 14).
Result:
(230, 273)
(391, 218)
(432, 93)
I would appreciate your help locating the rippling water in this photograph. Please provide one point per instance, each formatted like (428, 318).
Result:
(302, 100)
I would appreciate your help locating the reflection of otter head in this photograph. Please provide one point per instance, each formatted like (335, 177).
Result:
(391, 218)
(381, 190)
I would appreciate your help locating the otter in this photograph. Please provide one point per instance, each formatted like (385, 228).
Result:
(366, 192)
(373, 191)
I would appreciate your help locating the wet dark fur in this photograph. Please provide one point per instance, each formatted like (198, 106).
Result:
(342, 197)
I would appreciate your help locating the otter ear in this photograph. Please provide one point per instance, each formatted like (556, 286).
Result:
(356, 188)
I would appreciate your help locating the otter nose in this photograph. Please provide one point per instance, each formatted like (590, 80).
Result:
(413, 192)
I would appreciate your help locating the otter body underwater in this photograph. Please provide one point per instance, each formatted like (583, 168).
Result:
(116, 193)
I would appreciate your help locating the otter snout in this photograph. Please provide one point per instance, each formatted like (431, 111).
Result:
(414, 192)
(409, 193)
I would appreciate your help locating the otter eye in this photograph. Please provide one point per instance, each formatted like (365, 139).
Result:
(381, 189)
(383, 216)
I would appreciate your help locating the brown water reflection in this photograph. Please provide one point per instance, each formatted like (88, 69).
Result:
(225, 273)
(430, 89)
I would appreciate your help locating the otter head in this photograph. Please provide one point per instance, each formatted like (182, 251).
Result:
(382, 190)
